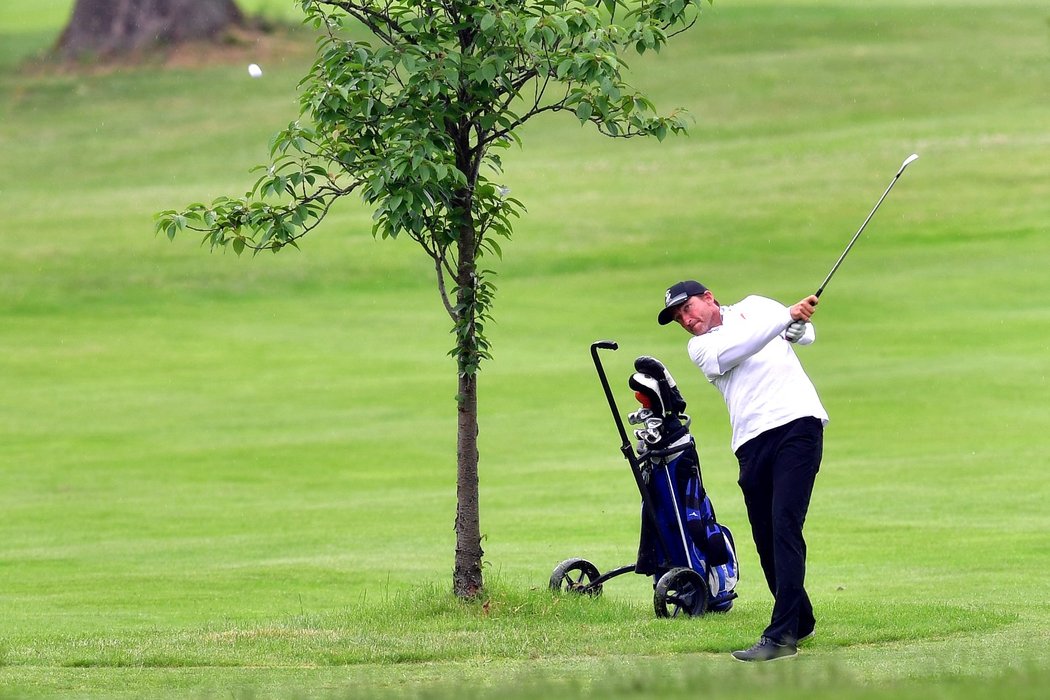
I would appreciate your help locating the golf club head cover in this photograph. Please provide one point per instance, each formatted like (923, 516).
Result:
(671, 397)
(647, 389)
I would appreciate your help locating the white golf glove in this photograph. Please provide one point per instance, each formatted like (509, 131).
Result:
(795, 331)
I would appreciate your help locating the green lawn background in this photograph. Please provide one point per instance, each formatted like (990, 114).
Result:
(199, 449)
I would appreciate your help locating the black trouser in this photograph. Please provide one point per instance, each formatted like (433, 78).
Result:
(777, 471)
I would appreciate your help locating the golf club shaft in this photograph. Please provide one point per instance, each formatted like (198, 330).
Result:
(907, 162)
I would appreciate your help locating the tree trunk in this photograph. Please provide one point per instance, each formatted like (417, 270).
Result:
(466, 578)
(101, 28)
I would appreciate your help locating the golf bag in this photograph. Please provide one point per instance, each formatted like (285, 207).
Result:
(688, 553)
(679, 526)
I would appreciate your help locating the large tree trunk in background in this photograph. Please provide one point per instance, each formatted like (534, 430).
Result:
(113, 27)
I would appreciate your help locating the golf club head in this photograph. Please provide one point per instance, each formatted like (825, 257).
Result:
(907, 161)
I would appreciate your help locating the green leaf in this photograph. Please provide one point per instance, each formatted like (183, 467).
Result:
(495, 247)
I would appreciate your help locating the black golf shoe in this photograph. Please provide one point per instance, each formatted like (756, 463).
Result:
(766, 650)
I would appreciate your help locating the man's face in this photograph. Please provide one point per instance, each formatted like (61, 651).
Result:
(699, 314)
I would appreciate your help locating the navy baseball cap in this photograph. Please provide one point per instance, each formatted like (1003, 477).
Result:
(677, 295)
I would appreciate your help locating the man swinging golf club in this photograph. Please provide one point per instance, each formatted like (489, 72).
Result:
(778, 428)
(746, 350)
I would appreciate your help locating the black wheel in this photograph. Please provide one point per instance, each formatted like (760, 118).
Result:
(680, 591)
(575, 576)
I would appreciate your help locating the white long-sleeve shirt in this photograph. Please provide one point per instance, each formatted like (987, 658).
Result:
(754, 366)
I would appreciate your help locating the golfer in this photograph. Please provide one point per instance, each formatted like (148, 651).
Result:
(746, 350)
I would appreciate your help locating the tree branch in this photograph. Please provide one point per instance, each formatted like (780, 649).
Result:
(375, 21)
(444, 292)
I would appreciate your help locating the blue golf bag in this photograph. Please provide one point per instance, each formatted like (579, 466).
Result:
(679, 528)
(689, 554)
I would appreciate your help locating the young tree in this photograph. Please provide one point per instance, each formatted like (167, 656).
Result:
(106, 28)
(414, 121)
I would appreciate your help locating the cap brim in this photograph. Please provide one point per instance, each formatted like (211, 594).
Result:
(667, 315)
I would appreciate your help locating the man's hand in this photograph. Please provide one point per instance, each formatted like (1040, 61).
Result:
(804, 309)
(795, 331)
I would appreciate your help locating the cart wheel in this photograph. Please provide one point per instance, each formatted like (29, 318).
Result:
(576, 576)
(680, 591)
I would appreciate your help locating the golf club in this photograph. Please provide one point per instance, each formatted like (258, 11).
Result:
(905, 164)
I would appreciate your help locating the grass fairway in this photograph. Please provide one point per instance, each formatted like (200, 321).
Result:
(234, 476)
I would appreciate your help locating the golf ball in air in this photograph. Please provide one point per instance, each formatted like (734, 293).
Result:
(254, 70)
